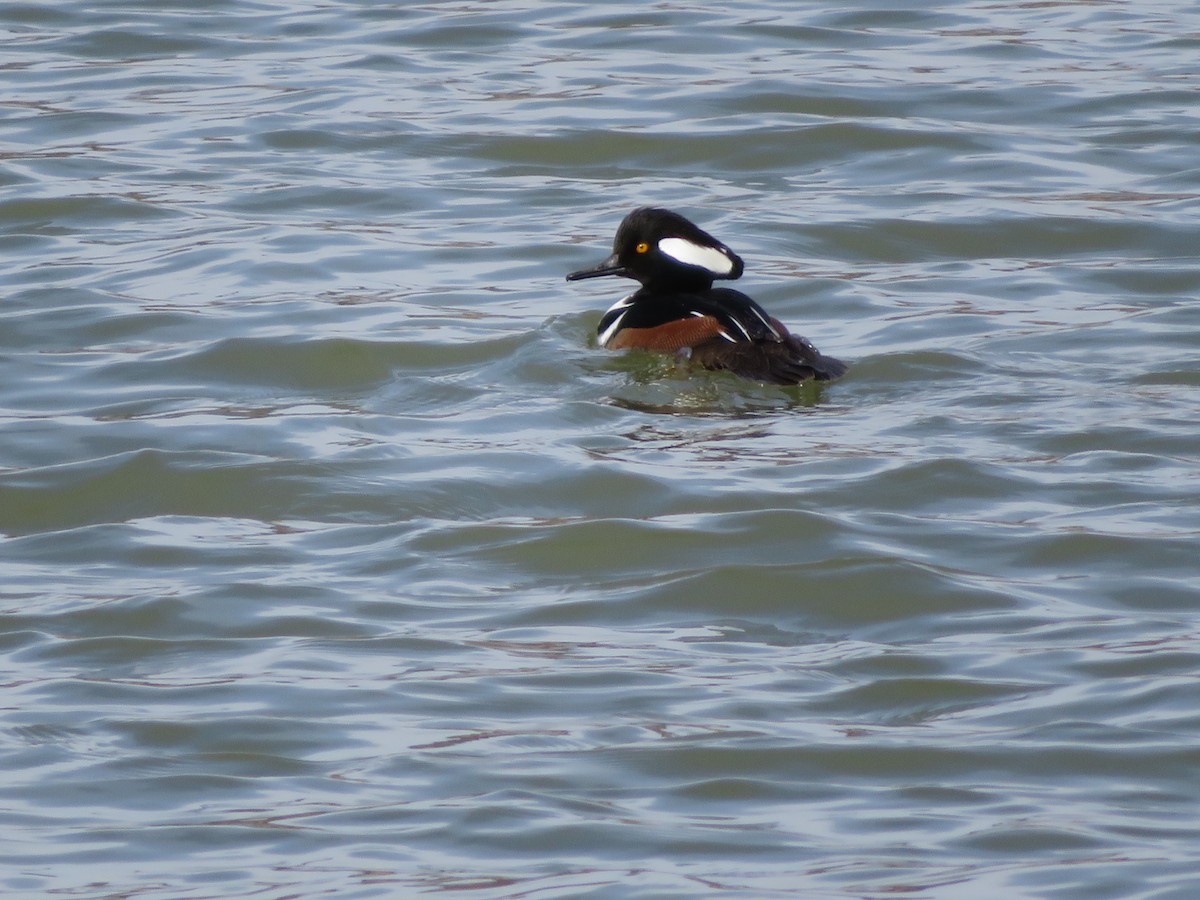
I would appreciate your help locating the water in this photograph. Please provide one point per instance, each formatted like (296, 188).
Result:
(336, 560)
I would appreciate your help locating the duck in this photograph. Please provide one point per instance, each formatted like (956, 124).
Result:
(678, 311)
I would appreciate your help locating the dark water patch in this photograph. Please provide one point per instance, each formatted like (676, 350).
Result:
(113, 489)
(64, 214)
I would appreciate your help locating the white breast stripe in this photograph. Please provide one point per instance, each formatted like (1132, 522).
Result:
(690, 254)
(623, 303)
(607, 334)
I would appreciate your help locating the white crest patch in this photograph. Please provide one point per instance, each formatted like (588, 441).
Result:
(684, 251)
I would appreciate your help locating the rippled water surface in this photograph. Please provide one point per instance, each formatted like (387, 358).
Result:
(337, 560)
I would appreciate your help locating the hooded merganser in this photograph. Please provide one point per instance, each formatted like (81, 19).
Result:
(677, 310)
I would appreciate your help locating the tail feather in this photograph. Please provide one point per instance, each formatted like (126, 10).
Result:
(790, 361)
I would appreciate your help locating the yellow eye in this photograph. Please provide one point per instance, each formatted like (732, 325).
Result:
(642, 247)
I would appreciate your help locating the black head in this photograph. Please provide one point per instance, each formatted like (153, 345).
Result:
(662, 248)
